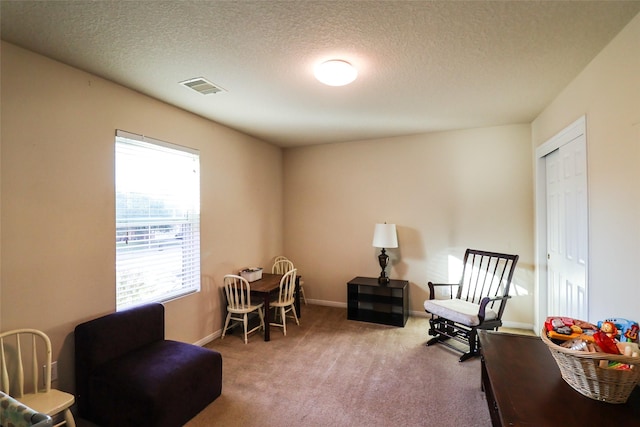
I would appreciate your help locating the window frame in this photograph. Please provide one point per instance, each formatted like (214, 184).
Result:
(158, 229)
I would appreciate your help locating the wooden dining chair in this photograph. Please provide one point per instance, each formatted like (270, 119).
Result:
(23, 353)
(286, 301)
(282, 266)
(239, 305)
(300, 281)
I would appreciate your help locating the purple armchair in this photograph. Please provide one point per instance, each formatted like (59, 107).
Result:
(127, 374)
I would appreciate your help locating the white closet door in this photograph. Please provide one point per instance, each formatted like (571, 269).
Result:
(567, 231)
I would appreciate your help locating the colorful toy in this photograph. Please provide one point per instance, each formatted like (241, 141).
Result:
(626, 330)
(606, 343)
(566, 328)
(610, 329)
(631, 335)
(561, 325)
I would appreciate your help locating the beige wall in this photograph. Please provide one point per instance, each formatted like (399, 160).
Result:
(607, 91)
(57, 174)
(444, 191)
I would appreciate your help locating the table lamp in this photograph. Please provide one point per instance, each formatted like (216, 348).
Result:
(384, 236)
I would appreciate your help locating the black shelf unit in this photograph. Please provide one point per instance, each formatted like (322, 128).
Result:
(369, 301)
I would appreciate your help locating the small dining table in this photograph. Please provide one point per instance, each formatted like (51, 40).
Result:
(265, 288)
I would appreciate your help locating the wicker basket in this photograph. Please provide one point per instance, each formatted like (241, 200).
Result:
(582, 372)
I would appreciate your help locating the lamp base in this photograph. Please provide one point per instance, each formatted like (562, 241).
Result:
(383, 260)
(383, 280)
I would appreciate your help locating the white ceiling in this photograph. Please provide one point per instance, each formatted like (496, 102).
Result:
(423, 66)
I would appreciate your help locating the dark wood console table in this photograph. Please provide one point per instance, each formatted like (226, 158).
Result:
(523, 387)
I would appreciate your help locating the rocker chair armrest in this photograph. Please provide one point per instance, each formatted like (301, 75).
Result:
(432, 290)
(486, 300)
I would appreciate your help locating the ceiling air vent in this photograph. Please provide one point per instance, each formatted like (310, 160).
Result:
(202, 86)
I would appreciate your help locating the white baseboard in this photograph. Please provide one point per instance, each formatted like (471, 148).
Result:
(327, 303)
(206, 340)
(517, 325)
(419, 313)
(506, 324)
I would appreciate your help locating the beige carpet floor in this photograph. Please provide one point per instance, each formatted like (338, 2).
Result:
(330, 371)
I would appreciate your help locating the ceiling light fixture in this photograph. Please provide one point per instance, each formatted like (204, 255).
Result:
(336, 72)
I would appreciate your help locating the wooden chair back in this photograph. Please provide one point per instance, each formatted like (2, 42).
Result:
(238, 293)
(22, 353)
(287, 287)
(282, 266)
(486, 274)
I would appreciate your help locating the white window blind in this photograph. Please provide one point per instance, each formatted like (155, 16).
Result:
(157, 220)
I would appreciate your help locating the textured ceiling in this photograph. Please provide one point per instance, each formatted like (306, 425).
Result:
(423, 66)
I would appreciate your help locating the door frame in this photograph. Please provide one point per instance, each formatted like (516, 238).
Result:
(566, 135)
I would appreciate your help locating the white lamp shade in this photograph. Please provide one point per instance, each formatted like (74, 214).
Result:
(384, 236)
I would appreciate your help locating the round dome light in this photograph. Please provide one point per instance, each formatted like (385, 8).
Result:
(336, 72)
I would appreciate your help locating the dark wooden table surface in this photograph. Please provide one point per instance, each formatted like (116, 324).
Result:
(265, 288)
(523, 386)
